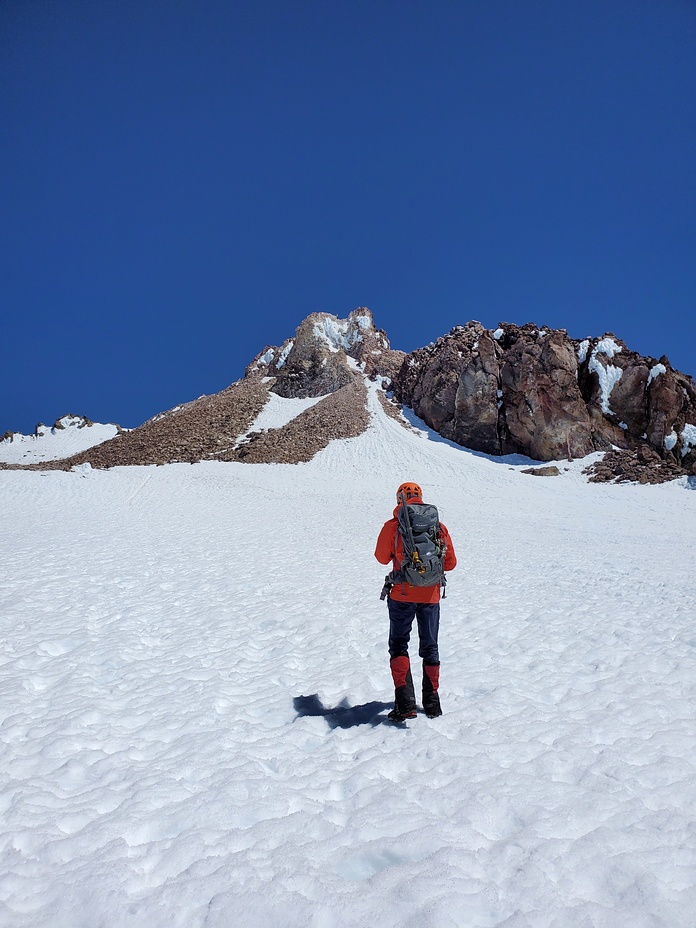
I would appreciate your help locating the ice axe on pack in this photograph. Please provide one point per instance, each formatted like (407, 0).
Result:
(416, 562)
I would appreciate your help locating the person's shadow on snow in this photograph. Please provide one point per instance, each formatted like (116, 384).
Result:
(343, 715)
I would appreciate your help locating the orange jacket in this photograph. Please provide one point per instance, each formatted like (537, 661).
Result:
(390, 548)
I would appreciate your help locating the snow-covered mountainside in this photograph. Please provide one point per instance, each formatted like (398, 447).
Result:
(195, 684)
(67, 436)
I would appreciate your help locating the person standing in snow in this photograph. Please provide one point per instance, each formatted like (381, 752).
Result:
(407, 602)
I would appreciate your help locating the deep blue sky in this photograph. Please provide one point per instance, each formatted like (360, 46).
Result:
(182, 181)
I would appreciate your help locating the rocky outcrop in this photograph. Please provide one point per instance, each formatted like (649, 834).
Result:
(542, 410)
(324, 355)
(453, 385)
(69, 421)
(500, 392)
(643, 412)
(540, 393)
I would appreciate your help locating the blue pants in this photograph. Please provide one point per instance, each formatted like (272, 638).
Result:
(401, 616)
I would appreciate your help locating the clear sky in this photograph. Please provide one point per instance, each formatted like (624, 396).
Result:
(183, 181)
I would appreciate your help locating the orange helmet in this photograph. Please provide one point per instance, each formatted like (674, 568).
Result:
(409, 490)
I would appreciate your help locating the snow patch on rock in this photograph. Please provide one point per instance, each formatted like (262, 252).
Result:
(336, 333)
(284, 354)
(608, 377)
(656, 371)
(607, 346)
(607, 374)
(688, 437)
(363, 321)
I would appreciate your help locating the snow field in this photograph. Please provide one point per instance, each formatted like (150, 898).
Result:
(52, 444)
(278, 411)
(193, 730)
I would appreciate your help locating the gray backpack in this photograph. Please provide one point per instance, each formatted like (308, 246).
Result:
(424, 549)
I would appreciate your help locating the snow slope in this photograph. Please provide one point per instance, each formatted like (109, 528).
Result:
(51, 443)
(280, 410)
(193, 715)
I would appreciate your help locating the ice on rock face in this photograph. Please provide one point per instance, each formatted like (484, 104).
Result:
(608, 377)
(364, 322)
(342, 334)
(583, 348)
(334, 333)
(607, 346)
(498, 334)
(607, 374)
(688, 437)
(656, 371)
(671, 440)
(267, 357)
(282, 358)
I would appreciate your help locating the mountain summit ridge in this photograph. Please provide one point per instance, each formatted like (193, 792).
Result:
(516, 389)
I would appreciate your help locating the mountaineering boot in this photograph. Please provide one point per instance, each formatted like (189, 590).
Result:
(431, 684)
(404, 695)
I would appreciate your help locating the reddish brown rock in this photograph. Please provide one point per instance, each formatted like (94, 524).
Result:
(453, 386)
(510, 391)
(540, 393)
(642, 465)
(542, 408)
(477, 398)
